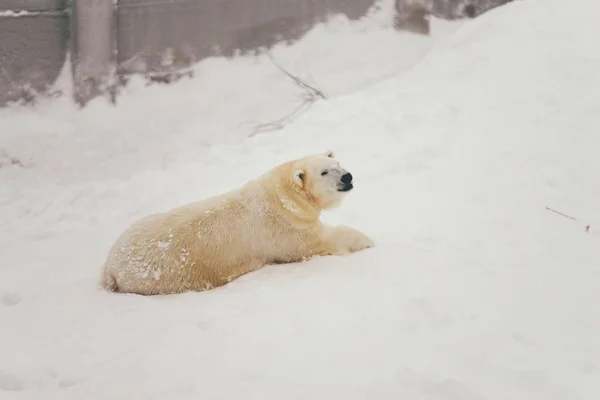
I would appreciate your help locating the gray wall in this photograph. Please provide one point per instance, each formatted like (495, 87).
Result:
(160, 38)
(152, 37)
(33, 48)
(413, 15)
(163, 35)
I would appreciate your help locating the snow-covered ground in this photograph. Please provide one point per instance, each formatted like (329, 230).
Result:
(475, 290)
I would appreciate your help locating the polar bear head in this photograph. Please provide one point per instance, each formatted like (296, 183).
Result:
(322, 180)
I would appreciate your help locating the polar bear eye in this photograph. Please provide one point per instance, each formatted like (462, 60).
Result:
(324, 173)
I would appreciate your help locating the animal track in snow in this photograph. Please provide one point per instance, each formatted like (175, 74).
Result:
(10, 382)
(10, 299)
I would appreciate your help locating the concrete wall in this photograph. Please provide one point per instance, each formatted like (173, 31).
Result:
(93, 46)
(163, 35)
(33, 46)
(160, 38)
(413, 15)
(152, 37)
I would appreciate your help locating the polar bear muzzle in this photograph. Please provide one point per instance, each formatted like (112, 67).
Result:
(345, 184)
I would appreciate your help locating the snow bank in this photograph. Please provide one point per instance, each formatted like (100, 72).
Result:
(475, 291)
(223, 103)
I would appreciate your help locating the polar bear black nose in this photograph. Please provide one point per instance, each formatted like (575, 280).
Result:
(346, 178)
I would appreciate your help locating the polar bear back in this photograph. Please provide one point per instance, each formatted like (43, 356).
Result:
(192, 244)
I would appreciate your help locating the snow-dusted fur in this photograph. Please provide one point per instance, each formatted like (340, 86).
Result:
(203, 245)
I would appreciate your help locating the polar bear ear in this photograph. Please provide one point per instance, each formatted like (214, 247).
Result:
(329, 154)
(299, 176)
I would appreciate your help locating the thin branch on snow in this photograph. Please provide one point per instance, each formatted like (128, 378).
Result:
(5, 159)
(281, 122)
(310, 95)
(588, 228)
(310, 90)
(559, 213)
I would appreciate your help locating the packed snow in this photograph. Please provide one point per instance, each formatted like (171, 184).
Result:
(476, 165)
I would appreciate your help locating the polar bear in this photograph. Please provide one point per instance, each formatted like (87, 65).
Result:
(203, 245)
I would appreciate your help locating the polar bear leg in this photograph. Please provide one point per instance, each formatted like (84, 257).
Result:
(108, 282)
(236, 271)
(342, 239)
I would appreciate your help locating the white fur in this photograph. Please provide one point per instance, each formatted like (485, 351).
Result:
(203, 245)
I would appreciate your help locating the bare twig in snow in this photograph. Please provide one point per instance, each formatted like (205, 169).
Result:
(310, 95)
(312, 91)
(5, 159)
(559, 213)
(281, 122)
(588, 228)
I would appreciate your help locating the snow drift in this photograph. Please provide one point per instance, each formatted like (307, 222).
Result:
(475, 290)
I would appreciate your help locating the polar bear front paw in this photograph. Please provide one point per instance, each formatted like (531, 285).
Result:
(351, 240)
(360, 241)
